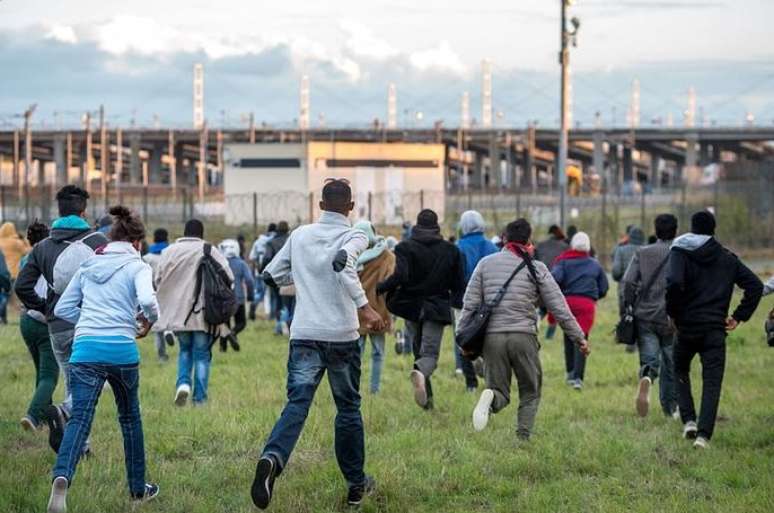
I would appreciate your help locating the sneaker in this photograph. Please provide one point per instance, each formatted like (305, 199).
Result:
(181, 396)
(28, 424)
(690, 430)
(285, 329)
(420, 392)
(163, 358)
(151, 492)
(570, 378)
(56, 423)
(457, 373)
(577, 385)
(701, 443)
(643, 396)
(170, 338)
(263, 484)
(482, 410)
(57, 502)
(357, 492)
(676, 414)
(232, 340)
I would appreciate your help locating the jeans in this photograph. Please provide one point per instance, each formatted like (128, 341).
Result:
(62, 345)
(87, 380)
(288, 309)
(426, 337)
(711, 348)
(161, 346)
(35, 336)
(4, 296)
(195, 355)
(377, 358)
(514, 353)
(657, 360)
(574, 361)
(307, 362)
(276, 309)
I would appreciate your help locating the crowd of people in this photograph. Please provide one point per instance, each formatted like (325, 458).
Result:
(87, 292)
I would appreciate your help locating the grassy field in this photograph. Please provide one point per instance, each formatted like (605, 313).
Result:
(590, 452)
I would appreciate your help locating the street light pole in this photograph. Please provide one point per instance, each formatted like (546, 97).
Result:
(564, 61)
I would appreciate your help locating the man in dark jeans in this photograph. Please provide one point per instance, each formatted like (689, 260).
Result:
(429, 280)
(655, 335)
(320, 259)
(700, 282)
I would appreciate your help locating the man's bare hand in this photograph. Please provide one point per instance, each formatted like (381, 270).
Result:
(143, 327)
(370, 319)
(584, 348)
(731, 324)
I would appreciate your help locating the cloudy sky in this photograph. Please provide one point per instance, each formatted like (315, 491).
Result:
(136, 59)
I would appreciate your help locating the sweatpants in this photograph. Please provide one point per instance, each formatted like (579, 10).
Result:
(711, 348)
(514, 353)
(426, 337)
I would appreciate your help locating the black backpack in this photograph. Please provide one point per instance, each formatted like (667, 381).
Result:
(220, 302)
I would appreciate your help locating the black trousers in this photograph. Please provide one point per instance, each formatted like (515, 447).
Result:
(711, 348)
(240, 320)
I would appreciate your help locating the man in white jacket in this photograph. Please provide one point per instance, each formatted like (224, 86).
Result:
(320, 259)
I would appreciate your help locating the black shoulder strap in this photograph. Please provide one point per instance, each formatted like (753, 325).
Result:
(198, 287)
(651, 281)
(530, 265)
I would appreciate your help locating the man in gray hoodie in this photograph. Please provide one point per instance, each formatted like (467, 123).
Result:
(320, 259)
(644, 288)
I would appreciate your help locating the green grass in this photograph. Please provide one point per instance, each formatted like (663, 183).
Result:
(590, 452)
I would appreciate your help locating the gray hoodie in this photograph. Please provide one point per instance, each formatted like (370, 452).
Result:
(103, 297)
(326, 301)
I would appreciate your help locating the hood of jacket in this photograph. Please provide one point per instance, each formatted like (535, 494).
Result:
(109, 260)
(7, 231)
(702, 249)
(426, 236)
(636, 237)
(471, 222)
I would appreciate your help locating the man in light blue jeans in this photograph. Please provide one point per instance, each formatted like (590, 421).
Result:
(320, 259)
(194, 358)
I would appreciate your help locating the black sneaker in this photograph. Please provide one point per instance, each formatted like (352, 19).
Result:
(263, 484)
(232, 340)
(151, 492)
(169, 338)
(357, 492)
(56, 424)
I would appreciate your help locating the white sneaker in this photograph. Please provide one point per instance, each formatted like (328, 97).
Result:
(689, 430)
(577, 385)
(57, 503)
(420, 391)
(170, 338)
(701, 443)
(457, 373)
(181, 396)
(28, 424)
(643, 396)
(482, 410)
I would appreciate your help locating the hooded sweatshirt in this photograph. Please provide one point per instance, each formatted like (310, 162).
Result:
(624, 253)
(102, 301)
(13, 248)
(701, 275)
(473, 244)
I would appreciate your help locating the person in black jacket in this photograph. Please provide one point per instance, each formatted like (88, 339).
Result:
(701, 275)
(429, 280)
(280, 305)
(71, 226)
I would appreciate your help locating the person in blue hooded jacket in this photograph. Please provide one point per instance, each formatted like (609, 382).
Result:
(474, 246)
(102, 301)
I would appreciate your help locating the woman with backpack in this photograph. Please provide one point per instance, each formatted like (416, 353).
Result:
(102, 301)
(583, 282)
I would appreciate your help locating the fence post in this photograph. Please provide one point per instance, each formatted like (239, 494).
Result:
(184, 201)
(421, 199)
(190, 204)
(2, 200)
(311, 207)
(370, 204)
(255, 215)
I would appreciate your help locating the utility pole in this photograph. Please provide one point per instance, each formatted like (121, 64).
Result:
(392, 107)
(86, 169)
(119, 163)
(303, 115)
(202, 160)
(486, 93)
(252, 128)
(28, 159)
(566, 37)
(104, 155)
(172, 163)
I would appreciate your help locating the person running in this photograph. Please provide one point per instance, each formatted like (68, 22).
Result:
(320, 258)
(583, 283)
(57, 258)
(547, 251)
(474, 246)
(13, 248)
(701, 275)
(375, 265)
(152, 258)
(102, 301)
(34, 330)
(257, 253)
(176, 287)
(622, 257)
(278, 311)
(429, 280)
(511, 345)
(655, 336)
(243, 279)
